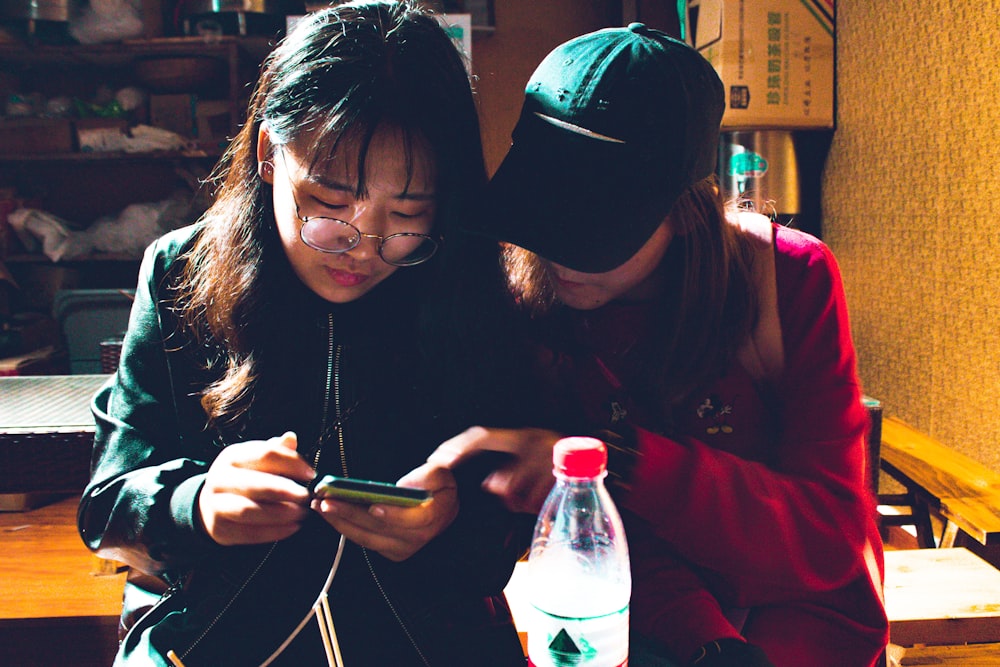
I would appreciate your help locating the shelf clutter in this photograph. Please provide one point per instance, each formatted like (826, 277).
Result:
(104, 147)
(184, 85)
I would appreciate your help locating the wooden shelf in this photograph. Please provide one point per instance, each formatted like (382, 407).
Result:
(242, 56)
(45, 165)
(210, 152)
(121, 53)
(38, 258)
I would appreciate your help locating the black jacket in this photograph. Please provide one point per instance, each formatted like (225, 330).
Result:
(353, 367)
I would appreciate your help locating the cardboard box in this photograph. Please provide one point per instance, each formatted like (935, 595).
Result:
(214, 125)
(775, 58)
(175, 113)
(19, 136)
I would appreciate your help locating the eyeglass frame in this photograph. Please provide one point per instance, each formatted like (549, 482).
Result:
(435, 241)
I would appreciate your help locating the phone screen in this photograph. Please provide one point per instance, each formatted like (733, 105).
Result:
(367, 492)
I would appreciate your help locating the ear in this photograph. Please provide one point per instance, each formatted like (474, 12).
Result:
(265, 154)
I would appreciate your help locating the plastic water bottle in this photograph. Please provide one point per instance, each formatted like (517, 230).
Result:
(578, 567)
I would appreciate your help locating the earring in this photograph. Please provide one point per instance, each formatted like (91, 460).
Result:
(266, 170)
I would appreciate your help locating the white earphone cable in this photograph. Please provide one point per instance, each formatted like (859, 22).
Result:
(321, 609)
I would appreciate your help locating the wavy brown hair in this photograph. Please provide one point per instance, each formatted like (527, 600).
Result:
(709, 307)
(342, 73)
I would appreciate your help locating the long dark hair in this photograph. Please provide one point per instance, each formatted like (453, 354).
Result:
(709, 307)
(338, 76)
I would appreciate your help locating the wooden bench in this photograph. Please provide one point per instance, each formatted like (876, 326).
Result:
(964, 493)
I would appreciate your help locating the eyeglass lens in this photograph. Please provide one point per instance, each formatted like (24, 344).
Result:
(331, 235)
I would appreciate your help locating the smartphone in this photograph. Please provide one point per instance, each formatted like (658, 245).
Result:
(367, 492)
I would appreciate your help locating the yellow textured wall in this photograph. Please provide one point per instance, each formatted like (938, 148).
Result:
(910, 208)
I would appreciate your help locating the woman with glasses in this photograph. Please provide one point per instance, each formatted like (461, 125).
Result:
(309, 324)
(709, 348)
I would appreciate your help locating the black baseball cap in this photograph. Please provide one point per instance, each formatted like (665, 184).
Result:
(616, 124)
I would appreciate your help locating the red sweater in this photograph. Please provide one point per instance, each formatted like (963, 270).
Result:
(754, 518)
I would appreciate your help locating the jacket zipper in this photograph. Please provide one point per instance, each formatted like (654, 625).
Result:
(330, 375)
(166, 595)
(229, 604)
(392, 608)
(334, 353)
(332, 363)
(343, 465)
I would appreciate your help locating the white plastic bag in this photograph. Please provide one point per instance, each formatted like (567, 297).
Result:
(107, 21)
(131, 231)
(139, 139)
(57, 240)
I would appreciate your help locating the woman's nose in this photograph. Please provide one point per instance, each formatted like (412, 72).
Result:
(367, 247)
(365, 220)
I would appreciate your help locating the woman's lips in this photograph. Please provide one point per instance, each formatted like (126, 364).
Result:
(346, 278)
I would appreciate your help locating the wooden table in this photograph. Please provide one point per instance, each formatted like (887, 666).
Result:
(966, 655)
(941, 596)
(58, 604)
(517, 598)
(932, 596)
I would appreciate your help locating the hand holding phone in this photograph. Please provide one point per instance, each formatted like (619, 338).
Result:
(367, 492)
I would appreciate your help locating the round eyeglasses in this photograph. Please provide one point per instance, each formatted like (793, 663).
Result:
(331, 235)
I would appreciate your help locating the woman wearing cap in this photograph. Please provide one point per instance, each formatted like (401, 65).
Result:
(708, 347)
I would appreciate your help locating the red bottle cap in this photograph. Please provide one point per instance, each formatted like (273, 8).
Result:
(579, 457)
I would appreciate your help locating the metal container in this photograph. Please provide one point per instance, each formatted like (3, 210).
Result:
(37, 10)
(761, 168)
(775, 172)
(240, 17)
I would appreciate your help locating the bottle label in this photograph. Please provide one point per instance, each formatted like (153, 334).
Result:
(560, 641)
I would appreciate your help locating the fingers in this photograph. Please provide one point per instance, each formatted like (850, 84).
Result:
(395, 520)
(240, 520)
(260, 487)
(429, 476)
(234, 509)
(288, 439)
(523, 480)
(234, 518)
(453, 451)
(255, 492)
(395, 532)
(359, 525)
(518, 492)
(476, 442)
(276, 456)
